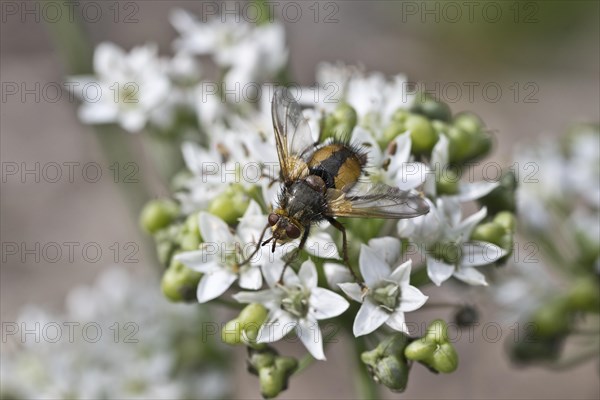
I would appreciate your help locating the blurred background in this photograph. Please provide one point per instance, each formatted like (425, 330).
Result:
(543, 57)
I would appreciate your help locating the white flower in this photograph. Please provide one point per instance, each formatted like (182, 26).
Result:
(444, 239)
(297, 304)
(127, 87)
(222, 252)
(389, 294)
(467, 191)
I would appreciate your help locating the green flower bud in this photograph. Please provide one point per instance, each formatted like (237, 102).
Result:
(507, 220)
(261, 358)
(420, 349)
(468, 122)
(253, 313)
(231, 333)
(431, 108)
(272, 382)
(391, 132)
(251, 318)
(437, 332)
(164, 251)
(387, 363)
(447, 182)
(230, 205)
(503, 197)
(459, 144)
(157, 214)
(340, 123)
(191, 225)
(552, 318)
(491, 232)
(179, 283)
(286, 364)
(466, 316)
(400, 116)
(440, 127)
(527, 346)
(584, 295)
(422, 134)
(444, 358)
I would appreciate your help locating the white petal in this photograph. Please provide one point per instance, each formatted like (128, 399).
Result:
(476, 253)
(266, 297)
(310, 335)
(320, 244)
(369, 317)
(132, 121)
(438, 271)
(401, 274)
(412, 299)
(97, 113)
(410, 175)
(308, 274)
(214, 284)
(403, 146)
(272, 272)
(439, 154)
(475, 190)
(108, 58)
(468, 224)
(372, 267)
(326, 304)
(336, 274)
(397, 322)
(251, 278)
(214, 231)
(279, 323)
(198, 260)
(471, 276)
(387, 248)
(352, 290)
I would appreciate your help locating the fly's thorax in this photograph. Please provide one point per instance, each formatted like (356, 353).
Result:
(304, 203)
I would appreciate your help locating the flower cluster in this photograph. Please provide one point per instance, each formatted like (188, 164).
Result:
(137, 345)
(209, 233)
(557, 296)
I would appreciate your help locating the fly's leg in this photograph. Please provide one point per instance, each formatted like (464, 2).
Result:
(294, 254)
(338, 225)
(258, 244)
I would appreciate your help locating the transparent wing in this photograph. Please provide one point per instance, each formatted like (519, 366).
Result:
(376, 200)
(293, 137)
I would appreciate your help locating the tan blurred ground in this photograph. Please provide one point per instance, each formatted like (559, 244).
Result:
(565, 68)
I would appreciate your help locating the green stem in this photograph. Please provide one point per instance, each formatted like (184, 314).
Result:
(366, 388)
(304, 363)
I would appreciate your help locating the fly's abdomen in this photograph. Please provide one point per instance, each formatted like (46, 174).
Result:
(338, 164)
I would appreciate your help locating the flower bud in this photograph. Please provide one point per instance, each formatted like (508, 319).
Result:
(179, 283)
(527, 346)
(387, 363)
(231, 333)
(420, 349)
(466, 316)
(157, 214)
(230, 205)
(431, 108)
(468, 122)
(491, 232)
(584, 295)
(444, 358)
(285, 363)
(447, 182)
(272, 382)
(552, 318)
(503, 197)
(437, 332)
(261, 358)
(507, 220)
(394, 129)
(340, 123)
(422, 134)
(251, 318)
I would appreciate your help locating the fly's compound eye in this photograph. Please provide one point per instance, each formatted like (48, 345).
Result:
(292, 231)
(273, 219)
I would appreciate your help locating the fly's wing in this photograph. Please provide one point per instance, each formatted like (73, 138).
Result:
(376, 200)
(294, 140)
